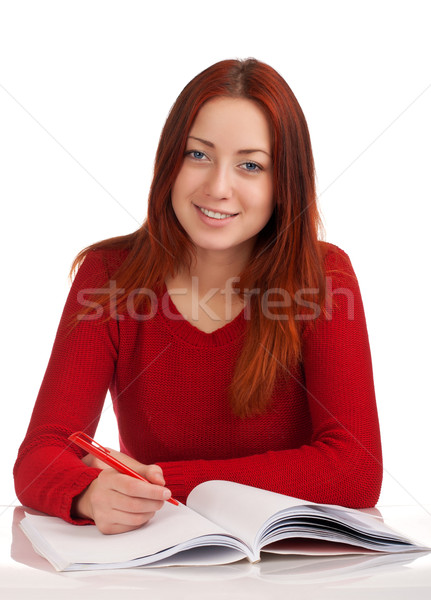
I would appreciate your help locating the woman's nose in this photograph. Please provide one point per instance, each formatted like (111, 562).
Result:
(219, 184)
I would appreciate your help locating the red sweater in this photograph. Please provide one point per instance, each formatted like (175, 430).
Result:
(319, 439)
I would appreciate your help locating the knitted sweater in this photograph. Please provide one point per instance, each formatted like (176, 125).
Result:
(319, 439)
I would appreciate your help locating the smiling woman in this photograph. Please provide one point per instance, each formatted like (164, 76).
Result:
(222, 198)
(233, 341)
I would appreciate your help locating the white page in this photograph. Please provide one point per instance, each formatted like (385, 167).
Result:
(170, 526)
(240, 509)
(243, 510)
(373, 524)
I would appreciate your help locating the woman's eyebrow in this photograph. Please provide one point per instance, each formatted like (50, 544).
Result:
(244, 151)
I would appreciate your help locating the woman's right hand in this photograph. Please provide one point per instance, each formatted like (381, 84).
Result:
(118, 502)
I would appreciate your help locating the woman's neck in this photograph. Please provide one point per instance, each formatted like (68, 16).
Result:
(212, 270)
(206, 293)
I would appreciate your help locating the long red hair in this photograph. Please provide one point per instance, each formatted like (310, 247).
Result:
(287, 254)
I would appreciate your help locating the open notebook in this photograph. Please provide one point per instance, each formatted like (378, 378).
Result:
(223, 522)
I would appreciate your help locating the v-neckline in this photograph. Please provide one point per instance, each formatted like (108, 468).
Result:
(179, 325)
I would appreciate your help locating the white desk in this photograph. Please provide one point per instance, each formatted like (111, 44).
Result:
(24, 574)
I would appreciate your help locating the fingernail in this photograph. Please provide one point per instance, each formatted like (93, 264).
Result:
(166, 494)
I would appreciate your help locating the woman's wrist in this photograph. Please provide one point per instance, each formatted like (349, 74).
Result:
(81, 506)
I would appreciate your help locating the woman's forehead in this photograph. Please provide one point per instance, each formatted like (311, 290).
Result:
(238, 121)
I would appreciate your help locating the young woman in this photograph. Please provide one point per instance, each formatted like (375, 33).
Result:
(232, 340)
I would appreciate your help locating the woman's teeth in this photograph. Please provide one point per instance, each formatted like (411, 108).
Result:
(215, 215)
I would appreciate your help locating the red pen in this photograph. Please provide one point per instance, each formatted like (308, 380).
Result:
(87, 443)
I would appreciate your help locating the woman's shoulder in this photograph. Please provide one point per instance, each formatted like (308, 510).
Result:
(338, 267)
(335, 258)
(111, 258)
(332, 253)
(100, 263)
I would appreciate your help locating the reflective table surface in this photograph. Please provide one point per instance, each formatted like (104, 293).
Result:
(25, 574)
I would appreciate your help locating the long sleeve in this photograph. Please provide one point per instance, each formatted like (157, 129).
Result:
(48, 471)
(342, 463)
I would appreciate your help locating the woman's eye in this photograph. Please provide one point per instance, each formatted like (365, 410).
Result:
(252, 167)
(196, 154)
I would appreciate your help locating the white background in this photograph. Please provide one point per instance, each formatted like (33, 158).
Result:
(85, 87)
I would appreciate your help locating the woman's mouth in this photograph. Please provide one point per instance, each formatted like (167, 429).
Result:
(215, 215)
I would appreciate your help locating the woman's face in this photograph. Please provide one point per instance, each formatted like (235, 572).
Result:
(223, 194)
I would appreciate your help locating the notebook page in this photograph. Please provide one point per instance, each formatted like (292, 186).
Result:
(239, 509)
(170, 526)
